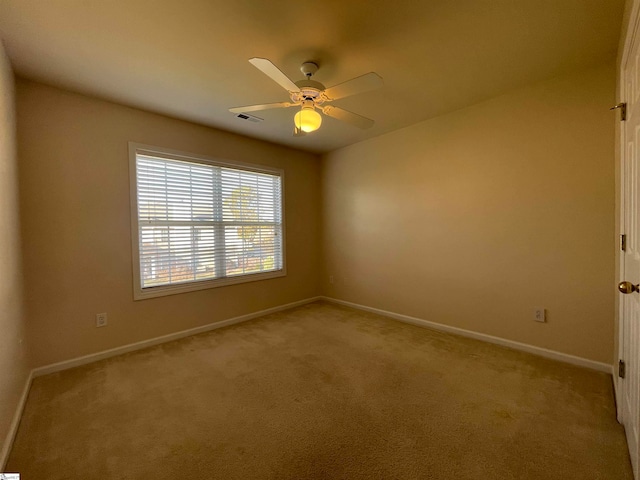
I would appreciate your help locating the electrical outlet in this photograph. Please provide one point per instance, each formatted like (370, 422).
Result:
(539, 315)
(330, 278)
(101, 320)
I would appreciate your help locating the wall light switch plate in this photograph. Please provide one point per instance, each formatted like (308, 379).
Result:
(101, 320)
(539, 315)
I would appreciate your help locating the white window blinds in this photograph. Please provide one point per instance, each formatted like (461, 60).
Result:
(201, 221)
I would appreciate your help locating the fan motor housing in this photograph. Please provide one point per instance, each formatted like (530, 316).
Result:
(309, 90)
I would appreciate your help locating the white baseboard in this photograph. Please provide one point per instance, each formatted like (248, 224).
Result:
(93, 357)
(543, 352)
(15, 422)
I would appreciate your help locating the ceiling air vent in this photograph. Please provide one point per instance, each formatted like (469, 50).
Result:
(250, 118)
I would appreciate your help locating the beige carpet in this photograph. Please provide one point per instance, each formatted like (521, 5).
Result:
(322, 392)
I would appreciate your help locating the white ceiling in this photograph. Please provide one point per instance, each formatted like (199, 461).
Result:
(188, 58)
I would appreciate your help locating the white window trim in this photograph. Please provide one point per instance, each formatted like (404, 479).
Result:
(138, 292)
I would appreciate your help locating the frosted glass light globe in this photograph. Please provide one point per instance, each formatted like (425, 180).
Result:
(307, 120)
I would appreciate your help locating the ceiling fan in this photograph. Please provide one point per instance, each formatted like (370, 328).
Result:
(312, 96)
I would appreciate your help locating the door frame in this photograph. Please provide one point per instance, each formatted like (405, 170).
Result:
(629, 31)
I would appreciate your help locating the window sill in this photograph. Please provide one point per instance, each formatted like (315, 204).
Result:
(164, 290)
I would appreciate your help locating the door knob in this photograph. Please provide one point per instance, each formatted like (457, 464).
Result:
(628, 287)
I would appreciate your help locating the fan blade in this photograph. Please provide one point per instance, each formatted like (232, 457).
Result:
(274, 73)
(347, 116)
(265, 106)
(363, 83)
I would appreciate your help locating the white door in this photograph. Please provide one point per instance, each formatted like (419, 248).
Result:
(629, 324)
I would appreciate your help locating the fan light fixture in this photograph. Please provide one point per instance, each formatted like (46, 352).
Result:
(307, 119)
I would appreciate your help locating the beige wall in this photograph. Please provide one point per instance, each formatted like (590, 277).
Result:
(474, 218)
(14, 368)
(76, 224)
(471, 219)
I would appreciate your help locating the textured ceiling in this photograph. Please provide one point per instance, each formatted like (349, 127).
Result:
(188, 59)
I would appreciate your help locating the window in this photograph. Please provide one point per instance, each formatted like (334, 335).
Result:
(200, 223)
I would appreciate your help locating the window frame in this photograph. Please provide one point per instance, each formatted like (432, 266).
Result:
(140, 293)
